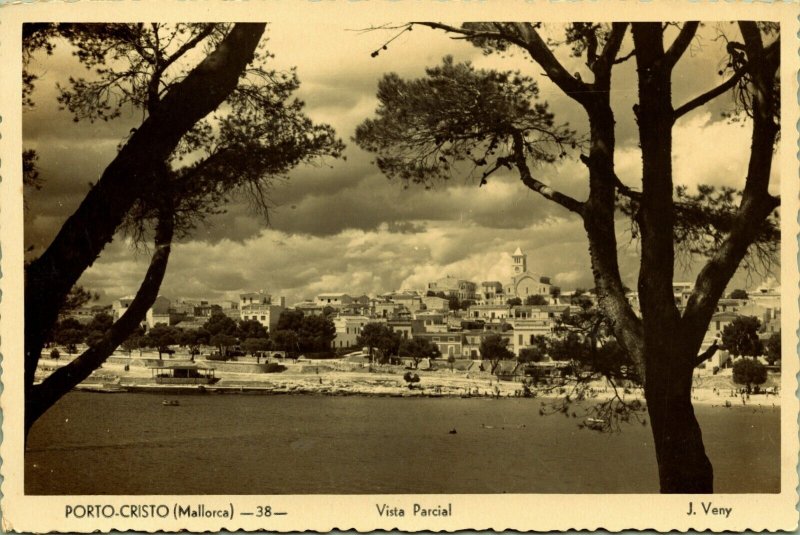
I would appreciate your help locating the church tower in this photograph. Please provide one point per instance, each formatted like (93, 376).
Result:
(519, 262)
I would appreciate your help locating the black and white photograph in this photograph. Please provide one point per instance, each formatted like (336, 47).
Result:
(407, 261)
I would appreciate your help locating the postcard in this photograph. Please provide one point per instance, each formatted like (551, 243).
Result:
(410, 265)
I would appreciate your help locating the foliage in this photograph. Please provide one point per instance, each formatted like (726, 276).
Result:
(514, 301)
(453, 302)
(161, 337)
(705, 218)
(536, 300)
(93, 337)
(290, 320)
(748, 371)
(69, 333)
(256, 346)
(100, 322)
(494, 348)
(738, 293)
(193, 339)
(457, 113)
(250, 329)
(261, 134)
(316, 334)
(77, 297)
(584, 302)
(379, 336)
(96, 329)
(411, 379)
(285, 340)
(569, 347)
(418, 349)
(311, 333)
(219, 323)
(536, 352)
(134, 341)
(274, 367)
(55, 354)
(223, 342)
(740, 337)
(774, 348)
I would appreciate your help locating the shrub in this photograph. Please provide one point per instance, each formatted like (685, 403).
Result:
(747, 371)
(274, 367)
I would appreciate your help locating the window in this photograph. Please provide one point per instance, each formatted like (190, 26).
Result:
(263, 318)
(520, 339)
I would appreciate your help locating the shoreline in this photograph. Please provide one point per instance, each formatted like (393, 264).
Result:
(755, 402)
(318, 379)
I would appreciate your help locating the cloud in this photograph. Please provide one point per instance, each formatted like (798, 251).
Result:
(342, 226)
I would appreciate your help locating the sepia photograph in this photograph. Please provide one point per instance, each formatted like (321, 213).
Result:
(382, 257)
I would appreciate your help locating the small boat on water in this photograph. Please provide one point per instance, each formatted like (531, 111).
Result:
(171, 403)
(595, 423)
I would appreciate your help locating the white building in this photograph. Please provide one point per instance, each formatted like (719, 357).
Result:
(119, 306)
(159, 313)
(530, 322)
(435, 303)
(451, 286)
(335, 300)
(261, 307)
(523, 282)
(348, 329)
(490, 313)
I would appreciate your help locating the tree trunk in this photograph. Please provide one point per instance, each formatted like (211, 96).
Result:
(83, 236)
(39, 398)
(683, 466)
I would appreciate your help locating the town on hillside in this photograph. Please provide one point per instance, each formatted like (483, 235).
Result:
(515, 329)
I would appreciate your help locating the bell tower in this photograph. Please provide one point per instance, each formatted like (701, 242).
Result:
(519, 263)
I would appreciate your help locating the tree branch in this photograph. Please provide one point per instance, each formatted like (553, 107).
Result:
(614, 42)
(681, 43)
(757, 203)
(64, 379)
(625, 58)
(707, 354)
(571, 204)
(188, 45)
(128, 177)
(709, 95)
(526, 37)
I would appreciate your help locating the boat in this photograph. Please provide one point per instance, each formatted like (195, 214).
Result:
(171, 403)
(595, 423)
(183, 373)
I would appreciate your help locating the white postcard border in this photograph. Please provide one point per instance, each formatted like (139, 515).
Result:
(538, 512)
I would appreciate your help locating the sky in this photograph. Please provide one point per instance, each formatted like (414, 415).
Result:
(340, 225)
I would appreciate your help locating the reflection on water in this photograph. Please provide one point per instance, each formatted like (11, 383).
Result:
(238, 444)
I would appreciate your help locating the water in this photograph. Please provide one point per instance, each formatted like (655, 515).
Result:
(238, 444)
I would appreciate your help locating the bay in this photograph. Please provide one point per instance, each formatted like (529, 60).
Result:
(304, 444)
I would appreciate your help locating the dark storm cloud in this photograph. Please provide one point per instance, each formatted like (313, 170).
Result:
(405, 227)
